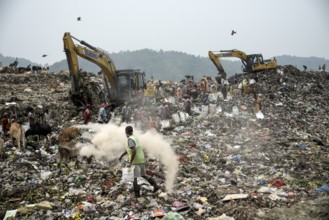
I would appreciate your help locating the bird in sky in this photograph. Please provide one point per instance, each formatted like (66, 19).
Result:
(44, 55)
(79, 18)
(233, 32)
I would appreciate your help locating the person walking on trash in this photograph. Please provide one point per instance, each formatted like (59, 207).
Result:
(126, 113)
(102, 115)
(136, 158)
(87, 114)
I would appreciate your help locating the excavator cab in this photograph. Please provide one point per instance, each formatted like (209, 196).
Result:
(129, 82)
(254, 61)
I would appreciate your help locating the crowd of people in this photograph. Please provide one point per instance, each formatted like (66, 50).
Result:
(165, 98)
(161, 99)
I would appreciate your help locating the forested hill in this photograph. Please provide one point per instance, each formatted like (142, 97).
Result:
(169, 65)
(172, 65)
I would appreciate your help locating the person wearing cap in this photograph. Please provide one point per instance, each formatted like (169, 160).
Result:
(87, 114)
(102, 115)
(136, 157)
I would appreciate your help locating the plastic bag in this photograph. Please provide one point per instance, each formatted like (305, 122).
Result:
(235, 110)
(204, 109)
(324, 188)
(127, 174)
(183, 116)
(165, 123)
(212, 108)
(259, 115)
(213, 97)
(171, 100)
(175, 117)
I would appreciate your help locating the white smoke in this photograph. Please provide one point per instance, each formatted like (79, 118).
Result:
(108, 142)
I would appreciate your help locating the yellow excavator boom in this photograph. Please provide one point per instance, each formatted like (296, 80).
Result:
(123, 83)
(252, 62)
(92, 54)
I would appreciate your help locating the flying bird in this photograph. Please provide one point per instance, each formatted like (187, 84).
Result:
(44, 55)
(79, 18)
(233, 32)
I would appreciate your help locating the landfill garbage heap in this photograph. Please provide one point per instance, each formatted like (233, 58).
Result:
(232, 165)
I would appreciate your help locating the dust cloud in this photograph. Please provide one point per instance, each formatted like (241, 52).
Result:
(108, 143)
(155, 145)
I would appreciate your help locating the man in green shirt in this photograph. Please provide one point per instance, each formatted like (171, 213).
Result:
(136, 158)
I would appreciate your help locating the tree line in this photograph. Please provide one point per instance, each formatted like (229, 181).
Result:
(172, 65)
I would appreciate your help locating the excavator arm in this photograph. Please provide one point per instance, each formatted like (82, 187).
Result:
(92, 54)
(251, 63)
(72, 60)
(215, 59)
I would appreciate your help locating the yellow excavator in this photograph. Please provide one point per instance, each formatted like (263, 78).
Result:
(119, 85)
(252, 62)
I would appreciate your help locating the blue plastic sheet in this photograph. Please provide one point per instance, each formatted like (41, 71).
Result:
(324, 188)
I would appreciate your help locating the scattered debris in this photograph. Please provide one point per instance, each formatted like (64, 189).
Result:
(231, 164)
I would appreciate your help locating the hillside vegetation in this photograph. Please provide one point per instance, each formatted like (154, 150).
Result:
(172, 65)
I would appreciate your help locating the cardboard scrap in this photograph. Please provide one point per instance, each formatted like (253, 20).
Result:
(234, 196)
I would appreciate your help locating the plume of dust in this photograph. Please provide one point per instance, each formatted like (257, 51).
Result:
(156, 146)
(108, 141)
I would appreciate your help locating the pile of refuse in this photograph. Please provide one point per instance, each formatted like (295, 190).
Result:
(230, 164)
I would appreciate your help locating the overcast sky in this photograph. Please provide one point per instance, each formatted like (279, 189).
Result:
(30, 28)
